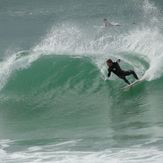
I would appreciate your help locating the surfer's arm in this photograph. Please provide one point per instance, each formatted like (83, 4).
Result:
(109, 72)
(118, 61)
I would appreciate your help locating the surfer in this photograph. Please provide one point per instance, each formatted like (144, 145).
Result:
(109, 24)
(116, 69)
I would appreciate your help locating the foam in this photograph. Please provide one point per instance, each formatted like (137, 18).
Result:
(52, 154)
(116, 155)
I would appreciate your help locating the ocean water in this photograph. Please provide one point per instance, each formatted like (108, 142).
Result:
(57, 104)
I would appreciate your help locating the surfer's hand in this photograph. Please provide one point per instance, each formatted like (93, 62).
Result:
(118, 60)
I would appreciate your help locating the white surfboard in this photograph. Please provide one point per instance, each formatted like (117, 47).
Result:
(134, 83)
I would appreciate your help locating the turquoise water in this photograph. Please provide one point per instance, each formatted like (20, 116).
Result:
(56, 102)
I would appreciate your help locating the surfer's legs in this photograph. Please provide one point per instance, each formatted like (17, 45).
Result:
(131, 72)
(126, 80)
(134, 74)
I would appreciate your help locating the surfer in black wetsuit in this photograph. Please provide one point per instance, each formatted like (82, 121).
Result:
(115, 68)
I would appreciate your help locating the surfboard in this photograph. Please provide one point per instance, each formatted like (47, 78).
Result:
(133, 84)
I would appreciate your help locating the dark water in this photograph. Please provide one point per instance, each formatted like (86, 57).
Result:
(56, 103)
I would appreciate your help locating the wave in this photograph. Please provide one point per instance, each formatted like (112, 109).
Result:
(60, 71)
(56, 81)
(55, 97)
(139, 48)
(26, 70)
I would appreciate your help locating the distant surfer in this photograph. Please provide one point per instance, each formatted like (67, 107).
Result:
(109, 24)
(116, 69)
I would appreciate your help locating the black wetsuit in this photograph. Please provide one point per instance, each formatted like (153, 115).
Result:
(115, 68)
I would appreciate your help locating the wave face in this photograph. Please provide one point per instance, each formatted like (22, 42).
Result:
(56, 102)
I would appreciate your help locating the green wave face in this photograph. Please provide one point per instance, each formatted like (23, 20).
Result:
(53, 90)
(63, 92)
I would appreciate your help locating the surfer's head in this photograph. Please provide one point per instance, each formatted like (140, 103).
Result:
(109, 62)
(105, 19)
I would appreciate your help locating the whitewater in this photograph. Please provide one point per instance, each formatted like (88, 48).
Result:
(56, 102)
